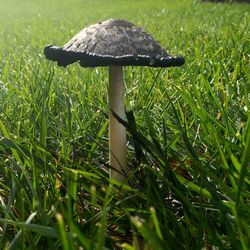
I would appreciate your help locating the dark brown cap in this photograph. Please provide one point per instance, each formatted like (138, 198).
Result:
(112, 42)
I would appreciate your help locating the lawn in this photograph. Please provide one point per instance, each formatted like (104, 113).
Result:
(188, 131)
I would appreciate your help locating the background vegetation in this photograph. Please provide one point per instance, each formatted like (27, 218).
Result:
(189, 146)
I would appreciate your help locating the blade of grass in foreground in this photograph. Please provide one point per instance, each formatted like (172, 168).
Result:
(148, 233)
(43, 230)
(15, 242)
(63, 235)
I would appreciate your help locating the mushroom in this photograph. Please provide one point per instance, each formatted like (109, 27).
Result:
(113, 43)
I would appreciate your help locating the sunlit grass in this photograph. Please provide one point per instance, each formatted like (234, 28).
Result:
(188, 131)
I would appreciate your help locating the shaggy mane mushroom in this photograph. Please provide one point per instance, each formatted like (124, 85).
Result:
(114, 43)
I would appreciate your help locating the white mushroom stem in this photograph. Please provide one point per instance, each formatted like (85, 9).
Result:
(117, 132)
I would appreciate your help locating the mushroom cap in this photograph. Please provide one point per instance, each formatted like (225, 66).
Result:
(112, 42)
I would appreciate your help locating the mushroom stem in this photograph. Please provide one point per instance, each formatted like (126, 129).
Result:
(117, 132)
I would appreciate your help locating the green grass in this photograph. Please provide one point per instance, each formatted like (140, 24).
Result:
(189, 147)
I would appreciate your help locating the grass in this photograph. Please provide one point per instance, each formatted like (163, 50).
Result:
(188, 131)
